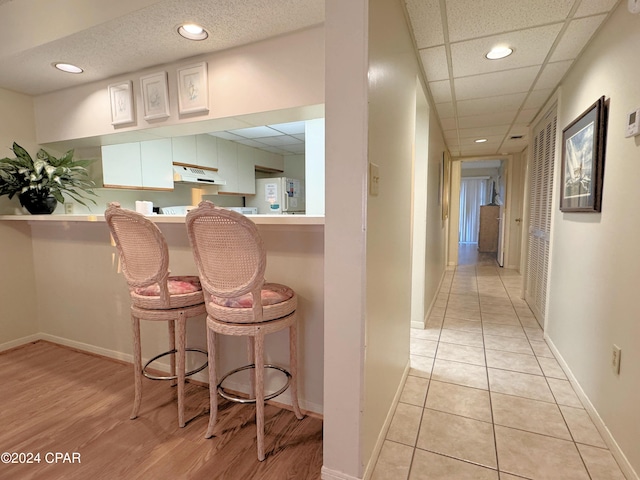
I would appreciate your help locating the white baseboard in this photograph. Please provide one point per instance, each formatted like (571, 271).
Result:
(85, 347)
(368, 472)
(328, 474)
(614, 448)
(20, 341)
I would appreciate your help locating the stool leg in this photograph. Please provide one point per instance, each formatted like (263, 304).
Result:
(137, 366)
(259, 374)
(213, 382)
(180, 340)
(172, 346)
(251, 348)
(293, 360)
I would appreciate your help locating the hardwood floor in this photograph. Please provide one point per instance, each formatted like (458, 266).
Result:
(59, 400)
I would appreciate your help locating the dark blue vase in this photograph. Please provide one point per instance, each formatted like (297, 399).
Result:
(38, 202)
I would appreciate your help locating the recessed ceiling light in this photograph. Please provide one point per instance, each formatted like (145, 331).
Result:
(192, 31)
(67, 67)
(497, 53)
(481, 140)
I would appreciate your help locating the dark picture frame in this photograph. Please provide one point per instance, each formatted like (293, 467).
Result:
(583, 152)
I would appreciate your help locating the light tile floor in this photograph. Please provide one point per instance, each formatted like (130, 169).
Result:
(485, 397)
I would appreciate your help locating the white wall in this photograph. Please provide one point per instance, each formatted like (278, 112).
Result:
(18, 319)
(595, 266)
(393, 70)
(436, 248)
(346, 173)
(281, 73)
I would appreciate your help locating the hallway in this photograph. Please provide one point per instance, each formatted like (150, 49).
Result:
(485, 397)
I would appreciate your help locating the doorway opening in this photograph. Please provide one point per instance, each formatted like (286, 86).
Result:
(481, 212)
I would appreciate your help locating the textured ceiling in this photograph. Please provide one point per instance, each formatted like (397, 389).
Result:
(498, 99)
(474, 97)
(108, 38)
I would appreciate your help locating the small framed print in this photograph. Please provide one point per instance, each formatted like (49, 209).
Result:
(193, 89)
(121, 96)
(155, 96)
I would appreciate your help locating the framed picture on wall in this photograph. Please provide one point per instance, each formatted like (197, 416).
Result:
(583, 152)
(193, 89)
(121, 97)
(155, 96)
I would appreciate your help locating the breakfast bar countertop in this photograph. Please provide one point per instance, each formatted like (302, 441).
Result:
(257, 219)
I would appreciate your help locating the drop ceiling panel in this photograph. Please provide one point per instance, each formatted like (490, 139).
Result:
(552, 74)
(531, 47)
(502, 118)
(441, 91)
(484, 132)
(435, 63)
(279, 141)
(495, 84)
(591, 7)
(488, 17)
(291, 128)
(575, 38)
(425, 19)
(480, 106)
(445, 110)
(537, 98)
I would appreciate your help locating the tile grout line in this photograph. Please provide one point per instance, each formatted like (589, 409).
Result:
(549, 385)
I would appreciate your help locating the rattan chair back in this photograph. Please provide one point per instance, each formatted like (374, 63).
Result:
(144, 255)
(228, 253)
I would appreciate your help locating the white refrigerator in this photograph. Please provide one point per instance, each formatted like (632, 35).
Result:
(280, 195)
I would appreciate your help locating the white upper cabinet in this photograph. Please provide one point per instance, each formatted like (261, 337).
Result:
(121, 165)
(184, 149)
(157, 164)
(206, 151)
(145, 165)
(269, 162)
(228, 165)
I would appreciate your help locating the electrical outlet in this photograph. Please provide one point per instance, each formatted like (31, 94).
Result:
(68, 208)
(615, 359)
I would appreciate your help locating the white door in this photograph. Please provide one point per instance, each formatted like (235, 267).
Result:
(540, 197)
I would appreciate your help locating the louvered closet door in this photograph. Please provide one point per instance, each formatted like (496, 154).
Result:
(540, 190)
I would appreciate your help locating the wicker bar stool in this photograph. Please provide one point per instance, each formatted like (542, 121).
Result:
(231, 261)
(155, 296)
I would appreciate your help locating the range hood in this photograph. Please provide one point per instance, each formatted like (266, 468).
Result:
(196, 175)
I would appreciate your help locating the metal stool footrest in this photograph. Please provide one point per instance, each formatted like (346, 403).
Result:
(173, 377)
(233, 398)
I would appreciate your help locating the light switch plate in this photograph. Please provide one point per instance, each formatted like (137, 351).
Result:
(374, 179)
(633, 123)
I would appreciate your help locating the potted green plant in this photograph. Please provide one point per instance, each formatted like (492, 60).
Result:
(41, 183)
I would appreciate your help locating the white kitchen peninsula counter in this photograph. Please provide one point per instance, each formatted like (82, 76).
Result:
(81, 299)
(257, 219)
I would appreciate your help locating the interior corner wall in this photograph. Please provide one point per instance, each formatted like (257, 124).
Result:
(18, 319)
(595, 266)
(393, 69)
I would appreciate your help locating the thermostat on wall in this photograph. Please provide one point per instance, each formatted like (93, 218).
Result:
(633, 123)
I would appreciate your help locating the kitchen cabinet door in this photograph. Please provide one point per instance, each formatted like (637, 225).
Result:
(157, 164)
(184, 149)
(121, 165)
(228, 165)
(246, 170)
(269, 162)
(206, 151)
